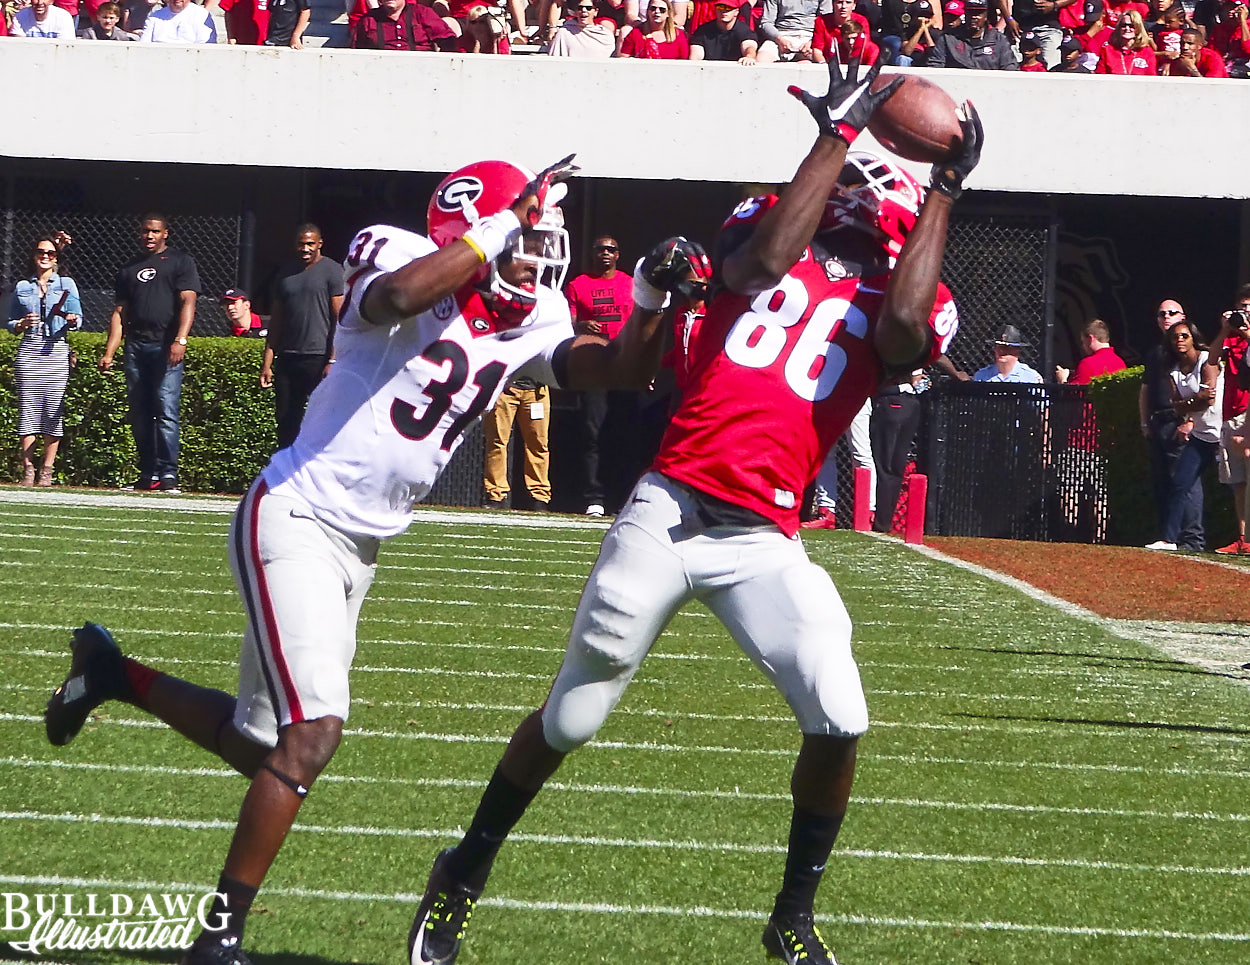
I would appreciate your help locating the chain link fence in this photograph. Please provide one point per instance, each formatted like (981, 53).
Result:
(104, 241)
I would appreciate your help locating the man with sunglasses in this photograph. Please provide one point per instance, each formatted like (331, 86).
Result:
(581, 36)
(1158, 428)
(726, 38)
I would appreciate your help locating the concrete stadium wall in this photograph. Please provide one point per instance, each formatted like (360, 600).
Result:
(344, 109)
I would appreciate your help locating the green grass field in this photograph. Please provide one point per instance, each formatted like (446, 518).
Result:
(1033, 789)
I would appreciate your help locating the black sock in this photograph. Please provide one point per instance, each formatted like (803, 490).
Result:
(501, 808)
(811, 840)
(230, 906)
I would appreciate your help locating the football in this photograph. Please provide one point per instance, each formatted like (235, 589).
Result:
(919, 122)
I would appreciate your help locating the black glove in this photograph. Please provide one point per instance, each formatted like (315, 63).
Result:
(668, 267)
(948, 177)
(562, 170)
(844, 110)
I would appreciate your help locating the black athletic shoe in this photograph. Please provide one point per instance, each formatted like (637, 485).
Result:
(442, 918)
(206, 950)
(494, 504)
(144, 484)
(168, 484)
(95, 675)
(796, 941)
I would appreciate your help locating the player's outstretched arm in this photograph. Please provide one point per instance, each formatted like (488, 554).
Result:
(425, 281)
(632, 359)
(903, 333)
(777, 243)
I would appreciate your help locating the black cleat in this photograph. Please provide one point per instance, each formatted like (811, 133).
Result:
(207, 950)
(796, 941)
(441, 919)
(95, 675)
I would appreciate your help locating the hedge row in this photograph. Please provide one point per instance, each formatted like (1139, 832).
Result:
(228, 430)
(227, 418)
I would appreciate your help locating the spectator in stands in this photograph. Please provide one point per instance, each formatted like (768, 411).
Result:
(1195, 60)
(855, 43)
(105, 25)
(1094, 31)
(135, 14)
(43, 20)
(1194, 374)
(403, 25)
(659, 37)
(246, 21)
(700, 12)
(1007, 366)
(179, 22)
(915, 49)
(527, 404)
(44, 307)
(288, 19)
(1070, 53)
(973, 44)
(1167, 31)
(785, 30)
(244, 323)
(1158, 427)
(727, 38)
(154, 307)
(581, 36)
(1234, 339)
(600, 301)
(1128, 51)
(898, 23)
(1031, 54)
(484, 30)
(299, 350)
(1230, 37)
(1098, 357)
(1040, 18)
(829, 28)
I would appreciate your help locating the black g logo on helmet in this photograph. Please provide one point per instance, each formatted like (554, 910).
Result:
(458, 193)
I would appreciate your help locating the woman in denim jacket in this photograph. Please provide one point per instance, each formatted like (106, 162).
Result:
(44, 307)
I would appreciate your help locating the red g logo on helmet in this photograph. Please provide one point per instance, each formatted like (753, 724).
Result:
(458, 192)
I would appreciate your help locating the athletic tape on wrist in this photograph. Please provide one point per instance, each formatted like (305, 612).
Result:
(646, 295)
(491, 236)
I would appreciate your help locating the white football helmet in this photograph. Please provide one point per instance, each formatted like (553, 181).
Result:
(877, 197)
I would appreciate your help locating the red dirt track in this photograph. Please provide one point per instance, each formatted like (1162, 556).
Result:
(1119, 582)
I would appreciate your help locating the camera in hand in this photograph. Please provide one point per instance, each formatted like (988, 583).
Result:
(1238, 318)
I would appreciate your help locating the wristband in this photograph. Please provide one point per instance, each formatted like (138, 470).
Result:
(846, 132)
(491, 236)
(646, 295)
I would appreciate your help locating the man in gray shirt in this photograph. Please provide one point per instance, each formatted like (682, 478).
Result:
(786, 27)
(300, 348)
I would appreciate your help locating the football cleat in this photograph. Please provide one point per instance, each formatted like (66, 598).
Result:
(96, 674)
(796, 941)
(207, 950)
(441, 919)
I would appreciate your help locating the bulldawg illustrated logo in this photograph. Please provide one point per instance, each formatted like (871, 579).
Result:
(74, 922)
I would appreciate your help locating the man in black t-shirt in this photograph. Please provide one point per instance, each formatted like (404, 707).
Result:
(307, 295)
(725, 38)
(287, 20)
(154, 306)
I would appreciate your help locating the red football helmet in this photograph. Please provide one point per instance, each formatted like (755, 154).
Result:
(874, 196)
(484, 188)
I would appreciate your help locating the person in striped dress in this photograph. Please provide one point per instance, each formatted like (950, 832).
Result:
(44, 307)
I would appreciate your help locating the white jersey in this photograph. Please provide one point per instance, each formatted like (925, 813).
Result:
(399, 399)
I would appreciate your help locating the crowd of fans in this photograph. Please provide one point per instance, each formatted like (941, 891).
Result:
(1188, 38)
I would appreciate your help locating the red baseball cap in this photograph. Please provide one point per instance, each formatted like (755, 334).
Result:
(954, 7)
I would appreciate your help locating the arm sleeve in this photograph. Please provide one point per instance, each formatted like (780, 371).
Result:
(768, 20)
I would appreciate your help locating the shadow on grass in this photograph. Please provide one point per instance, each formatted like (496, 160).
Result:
(1120, 724)
(1166, 664)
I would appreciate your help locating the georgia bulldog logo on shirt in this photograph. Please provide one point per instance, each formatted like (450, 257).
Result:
(146, 274)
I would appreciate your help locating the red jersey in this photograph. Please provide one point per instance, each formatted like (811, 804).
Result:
(1209, 64)
(686, 322)
(1113, 11)
(1035, 66)
(608, 301)
(1092, 43)
(775, 379)
(1236, 399)
(826, 34)
(246, 20)
(1226, 39)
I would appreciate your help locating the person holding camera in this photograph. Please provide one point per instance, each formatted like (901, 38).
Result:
(1234, 339)
(44, 307)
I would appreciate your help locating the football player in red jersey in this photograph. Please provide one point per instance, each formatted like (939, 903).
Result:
(430, 332)
(818, 297)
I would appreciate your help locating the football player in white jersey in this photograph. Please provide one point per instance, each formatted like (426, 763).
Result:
(431, 331)
(793, 342)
